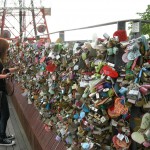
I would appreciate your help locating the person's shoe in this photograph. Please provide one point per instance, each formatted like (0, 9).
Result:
(10, 137)
(6, 142)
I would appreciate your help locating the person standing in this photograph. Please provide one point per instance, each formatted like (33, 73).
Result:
(5, 140)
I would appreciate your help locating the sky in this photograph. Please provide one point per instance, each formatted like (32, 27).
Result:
(69, 14)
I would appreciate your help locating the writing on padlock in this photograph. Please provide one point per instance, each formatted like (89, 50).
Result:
(120, 136)
(133, 94)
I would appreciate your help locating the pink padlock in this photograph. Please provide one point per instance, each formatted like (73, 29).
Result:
(146, 86)
(99, 86)
(143, 90)
(146, 144)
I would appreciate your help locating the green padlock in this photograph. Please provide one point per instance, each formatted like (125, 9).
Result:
(84, 56)
(111, 92)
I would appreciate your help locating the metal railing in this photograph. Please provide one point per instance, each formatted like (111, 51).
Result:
(121, 25)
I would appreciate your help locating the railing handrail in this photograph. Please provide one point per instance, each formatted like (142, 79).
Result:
(103, 24)
(121, 25)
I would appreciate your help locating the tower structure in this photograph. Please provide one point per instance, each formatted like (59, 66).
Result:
(23, 19)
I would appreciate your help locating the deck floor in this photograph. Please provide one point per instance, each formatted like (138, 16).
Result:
(14, 127)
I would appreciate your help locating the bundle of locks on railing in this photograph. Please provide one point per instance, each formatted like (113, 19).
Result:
(86, 91)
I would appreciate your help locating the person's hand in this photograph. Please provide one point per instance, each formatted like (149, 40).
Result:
(16, 68)
(8, 75)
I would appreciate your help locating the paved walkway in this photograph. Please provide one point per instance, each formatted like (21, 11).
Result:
(15, 127)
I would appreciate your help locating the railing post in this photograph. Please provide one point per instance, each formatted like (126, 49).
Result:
(121, 25)
(136, 28)
(61, 35)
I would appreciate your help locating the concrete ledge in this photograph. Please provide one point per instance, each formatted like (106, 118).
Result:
(29, 117)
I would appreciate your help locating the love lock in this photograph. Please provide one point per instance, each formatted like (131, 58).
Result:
(79, 90)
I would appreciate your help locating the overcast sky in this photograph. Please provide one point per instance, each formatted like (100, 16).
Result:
(76, 13)
(68, 14)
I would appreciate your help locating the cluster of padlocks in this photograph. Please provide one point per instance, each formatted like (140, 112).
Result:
(89, 92)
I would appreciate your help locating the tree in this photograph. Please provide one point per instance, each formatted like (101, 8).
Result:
(145, 28)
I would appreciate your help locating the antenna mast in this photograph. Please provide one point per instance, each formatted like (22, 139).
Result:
(23, 20)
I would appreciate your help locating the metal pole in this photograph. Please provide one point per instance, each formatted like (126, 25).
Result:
(3, 20)
(33, 17)
(20, 18)
(24, 20)
(61, 35)
(43, 11)
(121, 25)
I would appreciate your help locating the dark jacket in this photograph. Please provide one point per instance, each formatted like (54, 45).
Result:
(2, 81)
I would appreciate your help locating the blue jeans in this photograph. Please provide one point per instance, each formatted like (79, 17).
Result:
(4, 115)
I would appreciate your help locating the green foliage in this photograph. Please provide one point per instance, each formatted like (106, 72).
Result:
(145, 27)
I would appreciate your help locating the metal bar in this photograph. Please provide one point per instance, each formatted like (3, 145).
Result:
(144, 21)
(140, 27)
(14, 17)
(61, 35)
(33, 17)
(137, 34)
(42, 10)
(3, 20)
(29, 38)
(24, 19)
(29, 33)
(11, 24)
(38, 21)
(3, 23)
(36, 15)
(25, 8)
(104, 24)
(20, 18)
(121, 25)
(18, 15)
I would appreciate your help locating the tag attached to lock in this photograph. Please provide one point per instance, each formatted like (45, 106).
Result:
(103, 119)
(120, 136)
(114, 123)
(131, 101)
(97, 95)
(126, 139)
(76, 67)
(133, 94)
(111, 64)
